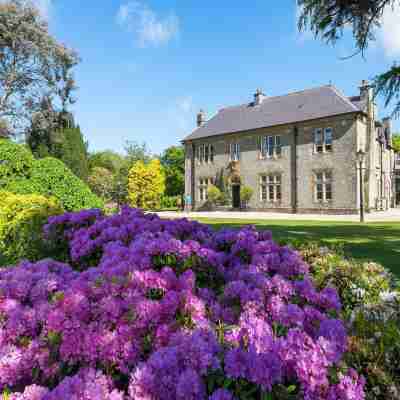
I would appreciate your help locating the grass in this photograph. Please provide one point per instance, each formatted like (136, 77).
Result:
(379, 242)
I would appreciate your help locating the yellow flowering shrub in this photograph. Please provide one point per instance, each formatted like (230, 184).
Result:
(146, 184)
(21, 220)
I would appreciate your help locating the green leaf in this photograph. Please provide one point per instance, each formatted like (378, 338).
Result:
(291, 389)
(266, 396)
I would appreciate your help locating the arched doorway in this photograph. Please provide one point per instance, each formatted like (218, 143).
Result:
(236, 195)
(235, 181)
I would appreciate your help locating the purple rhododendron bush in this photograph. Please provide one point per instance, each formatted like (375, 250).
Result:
(151, 309)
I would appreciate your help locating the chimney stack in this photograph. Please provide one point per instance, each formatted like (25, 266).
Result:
(366, 90)
(201, 118)
(387, 129)
(259, 96)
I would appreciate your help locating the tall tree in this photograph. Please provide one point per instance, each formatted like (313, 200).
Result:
(328, 19)
(44, 124)
(118, 167)
(106, 159)
(136, 151)
(60, 138)
(101, 181)
(173, 162)
(33, 65)
(71, 148)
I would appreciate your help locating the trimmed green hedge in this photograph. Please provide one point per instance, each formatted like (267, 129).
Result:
(47, 176)
(16, 161)
(21, 220)
(51, 177)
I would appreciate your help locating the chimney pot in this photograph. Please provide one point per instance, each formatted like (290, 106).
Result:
(259, 96)
(201, 118)
(366, 91)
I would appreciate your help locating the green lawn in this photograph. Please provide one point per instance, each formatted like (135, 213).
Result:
(378, 242)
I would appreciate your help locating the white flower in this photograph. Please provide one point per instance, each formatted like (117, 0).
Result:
(388, 296)
(376, 390)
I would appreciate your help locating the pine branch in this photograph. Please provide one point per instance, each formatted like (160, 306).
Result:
(329, 18)
(388, 85)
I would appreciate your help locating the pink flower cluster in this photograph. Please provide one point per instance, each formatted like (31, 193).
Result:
(152, 309)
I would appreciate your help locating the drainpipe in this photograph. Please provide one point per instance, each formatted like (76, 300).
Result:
(382, 180)
(294, 171)
(192, 183)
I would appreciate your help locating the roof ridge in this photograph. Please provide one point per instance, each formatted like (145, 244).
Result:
(308, 104)
(343, 97)
(268, 98)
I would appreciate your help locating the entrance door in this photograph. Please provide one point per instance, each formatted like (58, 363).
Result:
(236, 196)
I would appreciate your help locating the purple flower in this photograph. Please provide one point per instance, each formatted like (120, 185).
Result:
(350, 387)
(333, 339)
(33, 392)
(166, 303)
(221, 394)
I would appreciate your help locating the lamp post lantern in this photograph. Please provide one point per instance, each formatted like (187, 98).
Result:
(360, 159)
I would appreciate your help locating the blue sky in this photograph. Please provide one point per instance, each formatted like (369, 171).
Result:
(149, 66)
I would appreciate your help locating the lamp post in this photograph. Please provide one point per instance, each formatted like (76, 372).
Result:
(360, 159)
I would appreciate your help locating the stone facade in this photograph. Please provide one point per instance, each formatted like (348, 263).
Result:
(396, 181)
(309, 181)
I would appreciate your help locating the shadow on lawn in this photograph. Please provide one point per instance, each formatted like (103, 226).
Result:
(374, 242)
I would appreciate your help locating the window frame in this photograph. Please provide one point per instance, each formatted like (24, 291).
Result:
(323, 188)
(205, 153)
(397, 160)
(278, 145)
(234, 151)
(263, 187)
(323, 142)
(204, 184)
(271, 146)
(328, 144)
(270, 187)
(201, 154)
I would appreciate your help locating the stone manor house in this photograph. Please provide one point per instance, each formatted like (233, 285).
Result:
(298, 152)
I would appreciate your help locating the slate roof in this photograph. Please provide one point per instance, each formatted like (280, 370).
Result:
(306, 105)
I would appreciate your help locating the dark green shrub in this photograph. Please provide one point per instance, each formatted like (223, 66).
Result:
(72, 150)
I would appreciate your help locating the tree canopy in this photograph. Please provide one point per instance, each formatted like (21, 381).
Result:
(64, 141)
(101, 181)
(329, 18)
(396, 142)
(72, 150)
(108, 159)
(136, 151)
(33, 66)
(173, 162)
